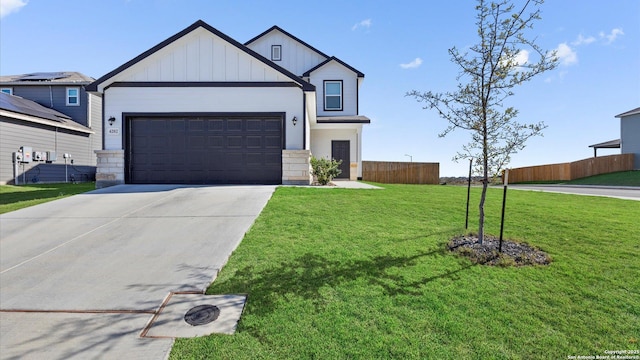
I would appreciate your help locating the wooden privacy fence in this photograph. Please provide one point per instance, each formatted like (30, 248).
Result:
(572, 170)
(401, 172)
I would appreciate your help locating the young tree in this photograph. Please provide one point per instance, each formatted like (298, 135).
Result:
(488, 73)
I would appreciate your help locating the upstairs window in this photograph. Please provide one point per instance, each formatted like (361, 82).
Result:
(73, 96)
(333, 95)
(276, 52)
(7, 91)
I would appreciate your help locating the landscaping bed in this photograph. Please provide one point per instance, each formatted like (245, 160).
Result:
(490, 252)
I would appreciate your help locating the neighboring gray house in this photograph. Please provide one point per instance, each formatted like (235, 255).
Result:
(629, 142)
(51, 114)
(202, 108)
(630, 134)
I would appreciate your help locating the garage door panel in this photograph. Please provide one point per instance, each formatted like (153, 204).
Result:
(195, 143)
(216, 142)
(272, 159)
(234, 125)
(178, 126)
(157, 125)
(160, 142)
(272, 125)
(254, 142)
(254, 125)
(273, 142)
(196, 125)
(205, 150)
(215, 125)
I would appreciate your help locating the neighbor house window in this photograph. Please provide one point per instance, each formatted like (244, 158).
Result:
(7, 91)
(73, 96)
(276, 52)
(333, 95)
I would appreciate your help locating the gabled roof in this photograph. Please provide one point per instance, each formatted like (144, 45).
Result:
(23, 109)
(630, 112)
(333, 58)
(274, 27)
(47, 78)
(305, 85)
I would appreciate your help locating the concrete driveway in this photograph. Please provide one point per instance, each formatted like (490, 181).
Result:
(82, 276)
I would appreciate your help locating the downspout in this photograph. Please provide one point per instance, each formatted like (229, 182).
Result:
(357, 96)
(102, 117)
(304, 120)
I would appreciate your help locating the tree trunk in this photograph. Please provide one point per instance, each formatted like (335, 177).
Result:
(485, 179)
(481, 208)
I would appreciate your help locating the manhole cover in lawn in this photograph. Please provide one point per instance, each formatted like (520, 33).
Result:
(201, 315)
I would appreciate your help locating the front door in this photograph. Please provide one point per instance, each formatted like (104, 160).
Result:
(340, 151)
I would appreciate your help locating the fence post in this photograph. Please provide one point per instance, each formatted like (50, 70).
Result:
(466, 222)
(504, 203)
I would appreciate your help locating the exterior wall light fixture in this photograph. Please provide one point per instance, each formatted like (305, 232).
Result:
(294, 121)
(111, 121)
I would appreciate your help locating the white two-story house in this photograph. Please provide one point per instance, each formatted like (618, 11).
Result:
(202, 108)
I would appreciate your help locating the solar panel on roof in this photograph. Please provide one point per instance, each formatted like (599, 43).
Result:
(40, 76)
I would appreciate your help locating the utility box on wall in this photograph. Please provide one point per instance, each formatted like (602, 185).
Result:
(39, 156)
(26, 153)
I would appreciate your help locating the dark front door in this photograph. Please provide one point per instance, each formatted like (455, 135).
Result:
(340, 151)
(235, 149)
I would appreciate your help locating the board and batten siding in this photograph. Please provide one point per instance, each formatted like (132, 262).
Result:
(296, 57)
(200, 56)
(335, 71)
(630, 137)
(55, 97)
(16, 133)
(205, 100)
(94, 114)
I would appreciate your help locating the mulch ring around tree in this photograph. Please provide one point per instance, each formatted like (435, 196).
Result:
(513, 253)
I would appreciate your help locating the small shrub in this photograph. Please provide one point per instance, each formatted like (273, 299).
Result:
(325, 170)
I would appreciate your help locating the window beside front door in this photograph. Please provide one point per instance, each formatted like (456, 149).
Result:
(333, 95)
(7, 91)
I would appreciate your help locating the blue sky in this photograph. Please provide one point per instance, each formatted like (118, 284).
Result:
(399, 46)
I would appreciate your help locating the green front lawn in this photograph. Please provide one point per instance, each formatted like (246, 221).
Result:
(17, 197)
(622, 178)
(364, 274)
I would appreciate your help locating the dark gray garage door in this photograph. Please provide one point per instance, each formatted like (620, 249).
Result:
(231, 149)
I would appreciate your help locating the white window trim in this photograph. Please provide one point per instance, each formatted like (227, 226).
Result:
(273, 52)
(10, 92)
(77, 96)
(341, 95)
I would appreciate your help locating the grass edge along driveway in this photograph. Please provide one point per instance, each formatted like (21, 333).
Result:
(17, 197)
(344, 274)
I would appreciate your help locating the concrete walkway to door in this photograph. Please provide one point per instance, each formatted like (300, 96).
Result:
(82, 276)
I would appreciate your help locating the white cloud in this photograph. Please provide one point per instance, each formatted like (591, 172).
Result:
(517, 60)
(581, 40)
(566, 54)
(9, 6)
(366, 23)
(521, 58)
(612, 36)
(413, 64)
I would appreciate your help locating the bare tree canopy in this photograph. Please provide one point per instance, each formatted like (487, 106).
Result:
(502, 59)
